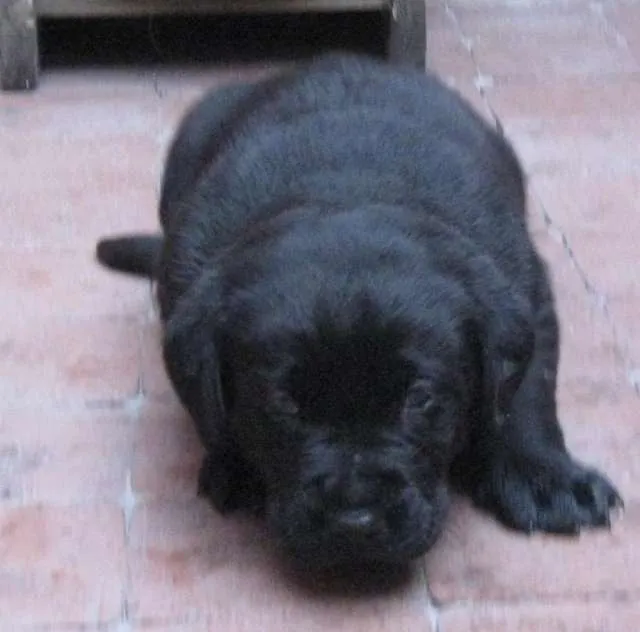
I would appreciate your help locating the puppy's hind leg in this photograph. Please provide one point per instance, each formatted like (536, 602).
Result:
(520, 470)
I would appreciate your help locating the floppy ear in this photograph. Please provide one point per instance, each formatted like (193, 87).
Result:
(508, 348)
(507, 336)
(192, 361)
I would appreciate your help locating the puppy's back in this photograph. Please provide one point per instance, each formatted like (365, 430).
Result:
(346, 131)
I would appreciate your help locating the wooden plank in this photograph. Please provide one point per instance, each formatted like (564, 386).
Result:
(18, 45)
(134, 8)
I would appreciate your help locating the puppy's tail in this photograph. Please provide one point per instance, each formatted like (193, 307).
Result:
(133, 254)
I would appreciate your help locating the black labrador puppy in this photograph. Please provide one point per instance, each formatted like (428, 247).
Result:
(355, 316)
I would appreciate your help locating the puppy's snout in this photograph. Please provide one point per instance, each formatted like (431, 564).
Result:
(357, 480)
(350, 507)
(358, 523)
(325, 485)
(356, 486)
(355, 501)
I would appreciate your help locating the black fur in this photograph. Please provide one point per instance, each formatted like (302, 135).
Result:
(355, 316)
(135, 254)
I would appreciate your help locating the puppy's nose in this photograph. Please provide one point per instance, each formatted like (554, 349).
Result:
(357, 522)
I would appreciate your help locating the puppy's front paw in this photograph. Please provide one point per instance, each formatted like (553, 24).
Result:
(548, 492)
(229, 485)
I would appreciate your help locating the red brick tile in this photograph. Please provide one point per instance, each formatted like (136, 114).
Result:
(167, 452)
(602, 616)
(591, 367)
(63, 457)
(625, 18)
(68, 283)
(477, 560)
(447, 54)
(313, 621)
(594, 198)
(527, 101)
(438, 16)
(74, 85)
(590, 363)
(544, 41)
(75, 170)
(590, 372)
(624, 310)
(61, 566)
(448, 57)
(596, 211)
(191, 564)
(606, 435)
(62, 360)
(580, 147)
(65, 118)
(76, 219)
(155, 383)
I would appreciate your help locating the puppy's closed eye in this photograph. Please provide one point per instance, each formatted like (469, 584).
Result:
(281, 404)
(420, 398)
(426, 417)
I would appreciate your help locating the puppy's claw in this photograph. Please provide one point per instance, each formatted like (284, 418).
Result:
(616, 511)
(616, 503)
(555, 496)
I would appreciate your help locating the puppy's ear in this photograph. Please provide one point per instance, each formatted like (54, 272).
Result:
(191, 357)
(508, 348)
(507, 338)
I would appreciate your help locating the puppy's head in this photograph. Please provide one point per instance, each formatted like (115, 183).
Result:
(365, 436)
(353, 420)
(351, 394)
(354, 439)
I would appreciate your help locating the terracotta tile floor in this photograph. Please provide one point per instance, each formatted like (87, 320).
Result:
(99, 524)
